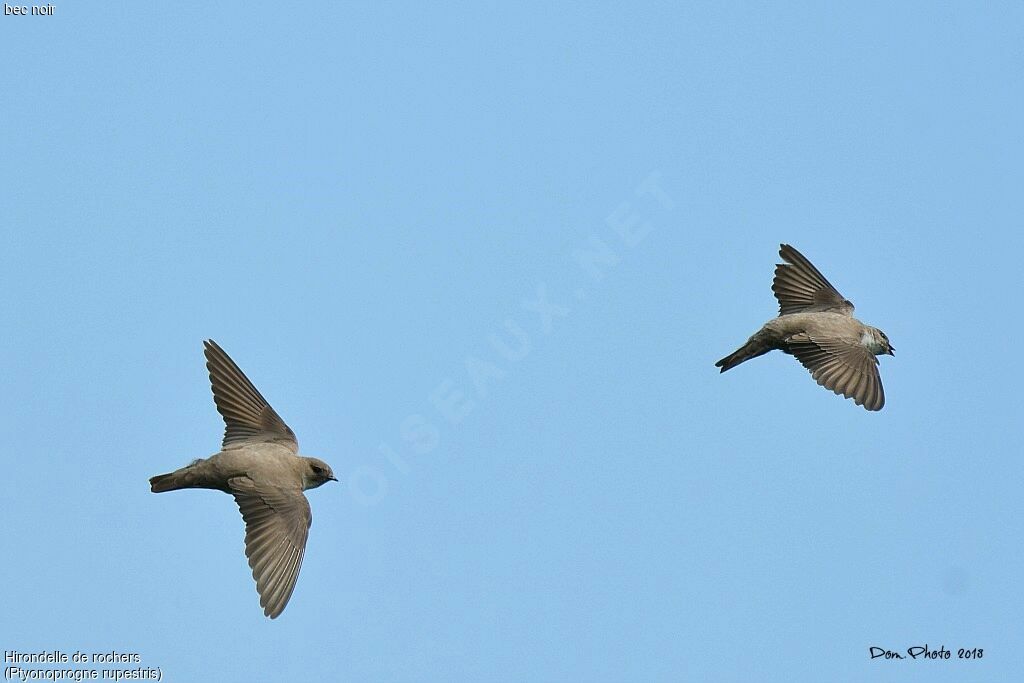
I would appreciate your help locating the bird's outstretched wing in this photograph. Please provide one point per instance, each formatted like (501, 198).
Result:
(247, 415)
(801, 288)
(843, 366)
(277, 524)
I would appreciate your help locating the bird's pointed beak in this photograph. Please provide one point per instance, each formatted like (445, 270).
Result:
(891, 351)
(332, 478)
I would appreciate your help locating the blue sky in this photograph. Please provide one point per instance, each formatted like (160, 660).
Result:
(384, 214)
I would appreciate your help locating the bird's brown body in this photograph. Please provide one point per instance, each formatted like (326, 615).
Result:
(260, 462)
(816, 325)
(260, 466)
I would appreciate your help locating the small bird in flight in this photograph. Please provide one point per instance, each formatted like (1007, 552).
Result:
(816, 325)
(259, 464)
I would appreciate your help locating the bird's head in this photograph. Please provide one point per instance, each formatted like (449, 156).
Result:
(879, 343)
(317, 473)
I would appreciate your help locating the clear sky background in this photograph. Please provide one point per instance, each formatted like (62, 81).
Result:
(364, 205)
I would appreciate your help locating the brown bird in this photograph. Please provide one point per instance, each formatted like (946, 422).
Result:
(816, 325)
(260, 466)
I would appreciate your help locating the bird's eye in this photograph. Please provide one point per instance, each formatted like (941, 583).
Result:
(317, 469)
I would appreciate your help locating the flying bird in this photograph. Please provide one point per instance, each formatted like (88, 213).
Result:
(816, 325)
(259, 464)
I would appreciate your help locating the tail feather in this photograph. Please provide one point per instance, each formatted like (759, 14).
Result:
(164, 482)
(192, 476)
(742, 354)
